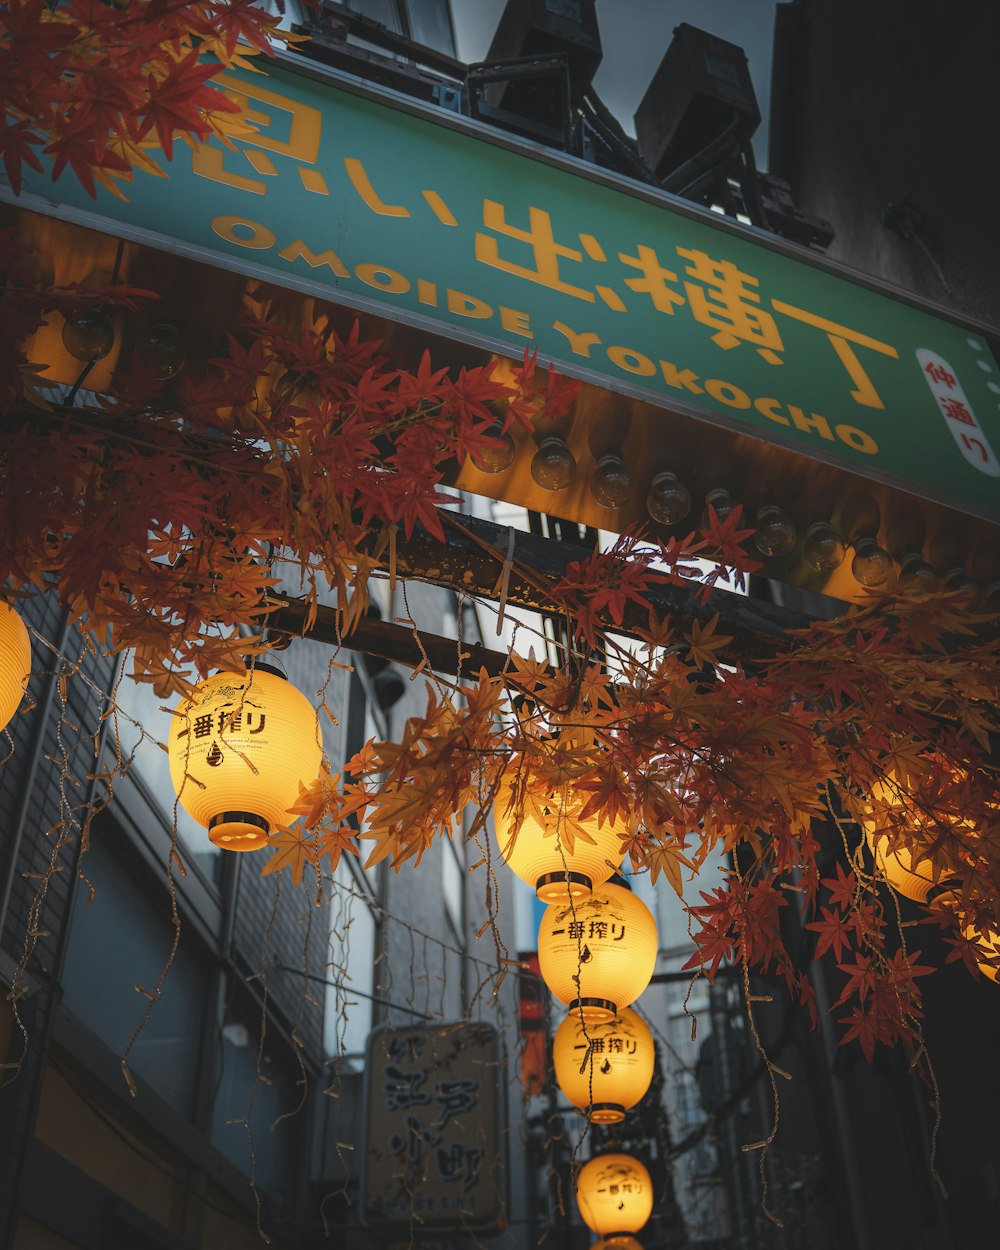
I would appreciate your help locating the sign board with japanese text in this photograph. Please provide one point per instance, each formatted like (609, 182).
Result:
(433, 1129)
(430, 219)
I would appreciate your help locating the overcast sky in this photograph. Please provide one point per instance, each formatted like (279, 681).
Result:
(635, 34)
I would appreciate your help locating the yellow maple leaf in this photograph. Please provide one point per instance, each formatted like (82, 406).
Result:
(704, 642)
(292, 849)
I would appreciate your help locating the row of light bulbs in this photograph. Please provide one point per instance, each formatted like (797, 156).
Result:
(89, 336)
(669, 502)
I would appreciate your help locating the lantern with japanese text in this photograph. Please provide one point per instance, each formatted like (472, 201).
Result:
(240, 745)
(597, 954)
(604, 1066)
(615, 1195)
(545, 843)
(15, 663)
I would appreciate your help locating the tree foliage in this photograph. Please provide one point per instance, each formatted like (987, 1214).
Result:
(156, 512)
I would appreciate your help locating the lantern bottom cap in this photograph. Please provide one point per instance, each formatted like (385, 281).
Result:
(599, 1009)
(560, 887)
(238, 831)
(605, 1113)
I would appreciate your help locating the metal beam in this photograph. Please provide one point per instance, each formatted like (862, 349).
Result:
(471, 560)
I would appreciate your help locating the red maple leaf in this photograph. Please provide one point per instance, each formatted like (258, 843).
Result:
(15, 145)
(834, 933)
(842, 888)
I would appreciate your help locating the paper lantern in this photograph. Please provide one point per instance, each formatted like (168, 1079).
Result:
(239, 747)
(915, 882)
(616, 1243)
(615, 1195)
(537, 844)
(912, 880)
(605, 1068)
(15, 662)
(606, 942)
(988, 942)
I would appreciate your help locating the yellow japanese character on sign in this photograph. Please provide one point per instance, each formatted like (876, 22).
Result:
(841, 338)
(302, 127)
(727, 304)
(654, 279)
(539, 237)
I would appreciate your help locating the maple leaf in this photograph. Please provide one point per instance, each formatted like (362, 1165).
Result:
(292, 849)
(16, 146)
(668, 861)
(334, 842)
(868, 1027)
(842, 888)
(704, 642)
(834, 933)
(175, 103)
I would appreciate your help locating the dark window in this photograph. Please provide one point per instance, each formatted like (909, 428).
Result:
(430, 25)
(273, 1097)
(122, 940)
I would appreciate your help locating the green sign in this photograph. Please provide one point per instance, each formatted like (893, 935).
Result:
(382, 202)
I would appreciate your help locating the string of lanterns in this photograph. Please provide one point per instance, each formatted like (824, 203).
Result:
(597, 947)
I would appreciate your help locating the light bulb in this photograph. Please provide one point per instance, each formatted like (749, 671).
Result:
(611, 484)
(824, 549)
(669, 500)
(721, 502)
(553, 466)
(915, 573)
(162, 350)
(871, 565)
(958, 579)
(498, 455)
(776, 532)
(88, 335)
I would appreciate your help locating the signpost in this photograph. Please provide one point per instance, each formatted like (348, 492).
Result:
(432, 1131)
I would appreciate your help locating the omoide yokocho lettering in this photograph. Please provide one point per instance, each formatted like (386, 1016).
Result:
(255, 236)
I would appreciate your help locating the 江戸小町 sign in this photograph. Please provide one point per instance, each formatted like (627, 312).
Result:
(379, 203)
(432, 1132)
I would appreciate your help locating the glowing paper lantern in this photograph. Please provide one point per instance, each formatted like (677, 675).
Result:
(617, 1243)
(897, 867)
(985, 939)
(606, 1068)
(912, 880)
(538, 844)
(239, 747)
(15, 663)
(606, 942)
(988, 943)
(615, 1195)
